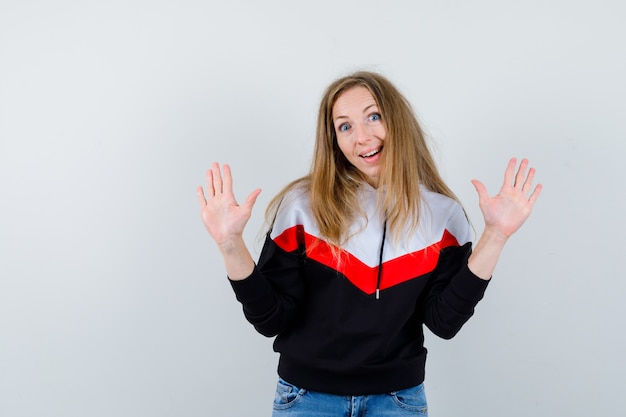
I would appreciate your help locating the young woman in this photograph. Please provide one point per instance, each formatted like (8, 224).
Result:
(360, 253)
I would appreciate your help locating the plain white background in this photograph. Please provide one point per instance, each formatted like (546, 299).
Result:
(113, 298)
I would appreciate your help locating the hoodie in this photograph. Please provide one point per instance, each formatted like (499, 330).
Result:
(353, 324)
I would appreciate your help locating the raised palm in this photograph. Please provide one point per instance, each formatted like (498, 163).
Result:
(222, 216)
(508, 210)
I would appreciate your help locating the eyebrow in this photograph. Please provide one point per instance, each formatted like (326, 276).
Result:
(364, 110)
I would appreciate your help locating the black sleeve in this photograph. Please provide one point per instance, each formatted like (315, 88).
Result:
(452, 292)
(272, 294)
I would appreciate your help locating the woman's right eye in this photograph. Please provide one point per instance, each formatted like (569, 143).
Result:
(344, 127)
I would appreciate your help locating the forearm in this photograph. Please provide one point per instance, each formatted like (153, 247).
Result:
(482, 262)
(273, 291)
(237, 259)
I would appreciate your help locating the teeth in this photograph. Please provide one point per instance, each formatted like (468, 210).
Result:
(374, 152)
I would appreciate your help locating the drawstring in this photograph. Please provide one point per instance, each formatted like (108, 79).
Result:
(380, 260)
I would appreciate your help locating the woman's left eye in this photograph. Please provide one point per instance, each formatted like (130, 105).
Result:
(375, 117)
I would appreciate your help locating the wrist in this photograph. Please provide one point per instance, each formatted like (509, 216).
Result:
(232, 245)
(493, 235)
(482, 262)
(237, 259)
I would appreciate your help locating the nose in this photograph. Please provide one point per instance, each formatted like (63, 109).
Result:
(362, 132)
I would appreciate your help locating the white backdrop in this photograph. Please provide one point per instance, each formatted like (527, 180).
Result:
(113, 299)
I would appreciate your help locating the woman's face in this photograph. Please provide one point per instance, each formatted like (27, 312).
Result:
(360, 131)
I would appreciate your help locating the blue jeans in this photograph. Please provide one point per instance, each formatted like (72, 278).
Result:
(291, 401)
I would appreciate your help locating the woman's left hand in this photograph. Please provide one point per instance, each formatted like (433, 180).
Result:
(505, 212)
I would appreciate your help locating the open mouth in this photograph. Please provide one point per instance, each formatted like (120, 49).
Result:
(372, 153)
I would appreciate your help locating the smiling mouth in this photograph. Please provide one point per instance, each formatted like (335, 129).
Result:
(372, 153)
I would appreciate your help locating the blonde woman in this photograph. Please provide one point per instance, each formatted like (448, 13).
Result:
(360, 254)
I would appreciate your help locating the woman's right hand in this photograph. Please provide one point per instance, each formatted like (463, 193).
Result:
(222, 216)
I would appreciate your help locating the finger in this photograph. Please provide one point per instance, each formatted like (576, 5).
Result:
(535, 195)
(509, 172)
(528, 183)
(521, 174)
(209, 184)
(481, 190)
(217, 178)
(228, 180)
(251, 199)
(201, 199)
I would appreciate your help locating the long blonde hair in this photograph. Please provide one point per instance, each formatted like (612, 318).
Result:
(332, 182)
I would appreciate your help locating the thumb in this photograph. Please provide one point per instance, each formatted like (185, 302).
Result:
(480, 189)
(251, 199)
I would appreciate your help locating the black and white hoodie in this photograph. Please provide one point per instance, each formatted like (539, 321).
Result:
(352, 325)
